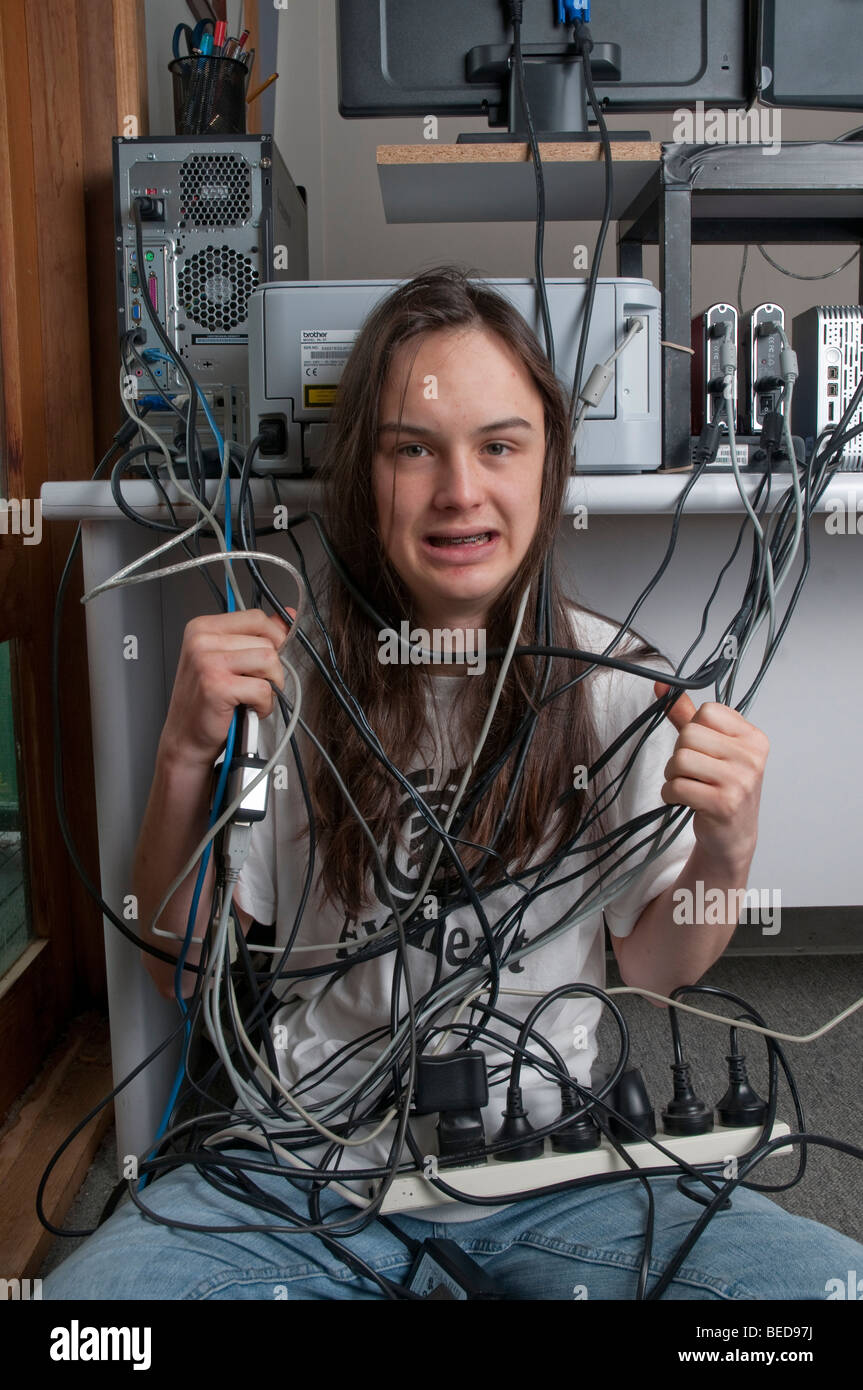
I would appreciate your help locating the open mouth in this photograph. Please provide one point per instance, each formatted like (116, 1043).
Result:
(477, 538)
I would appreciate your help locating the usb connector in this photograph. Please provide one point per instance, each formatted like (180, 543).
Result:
(235, 849)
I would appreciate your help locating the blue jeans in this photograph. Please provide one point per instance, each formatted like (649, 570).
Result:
(581, 1244)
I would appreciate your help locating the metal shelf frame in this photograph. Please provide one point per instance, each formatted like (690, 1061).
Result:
(806, 192)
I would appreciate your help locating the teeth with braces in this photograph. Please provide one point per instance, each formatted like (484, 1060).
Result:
(460, 540)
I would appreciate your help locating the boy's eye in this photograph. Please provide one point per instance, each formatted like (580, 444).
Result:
(496, 444)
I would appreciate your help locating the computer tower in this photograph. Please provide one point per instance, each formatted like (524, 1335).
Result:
(828, 340)
(224, 216)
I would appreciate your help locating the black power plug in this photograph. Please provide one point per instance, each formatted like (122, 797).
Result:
(630, 1099)
(685, 1113)
(517, 1126)
(455, 1086)
(151, 209)
(274, 436)
(460, 1134)
(740, 1106)
(579, 1135)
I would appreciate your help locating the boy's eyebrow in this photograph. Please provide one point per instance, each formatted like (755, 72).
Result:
(514, 422)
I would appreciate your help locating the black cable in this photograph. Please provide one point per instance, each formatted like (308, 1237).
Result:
(82, 1124)
(546, 652)
(125, 507)
(515, 10)
(584, 43)
(718, 1201)
(128, 348)
(644, 1267)
(774, 1053)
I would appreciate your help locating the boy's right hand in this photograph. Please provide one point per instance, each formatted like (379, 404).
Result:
(227, 659)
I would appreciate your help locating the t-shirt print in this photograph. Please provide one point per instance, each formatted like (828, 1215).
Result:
(406, 857)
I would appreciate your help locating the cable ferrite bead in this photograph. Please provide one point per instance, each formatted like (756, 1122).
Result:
(685, 1113)
(740, 1106)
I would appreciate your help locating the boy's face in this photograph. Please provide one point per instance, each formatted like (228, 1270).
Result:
(468, 460)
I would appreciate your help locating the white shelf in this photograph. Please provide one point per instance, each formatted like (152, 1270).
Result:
(621, 494)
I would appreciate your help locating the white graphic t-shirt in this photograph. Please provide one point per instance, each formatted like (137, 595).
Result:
(321, 1014)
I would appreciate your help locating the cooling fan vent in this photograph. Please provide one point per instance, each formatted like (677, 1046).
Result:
(214, 287)
(215, 191)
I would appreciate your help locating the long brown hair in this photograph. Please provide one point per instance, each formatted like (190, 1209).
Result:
(443, 297)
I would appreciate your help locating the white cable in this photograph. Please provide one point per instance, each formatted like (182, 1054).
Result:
(244, 1091)
(339, 1104)
(724, 1019)
(191, 497)
(615, 888)
(465, 1003)
(715, 1018)
(579, 421)
(121, 578)
(205, 513)
(636, 326)
(125, 577)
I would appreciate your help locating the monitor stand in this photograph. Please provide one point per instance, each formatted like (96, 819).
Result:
(555, 90)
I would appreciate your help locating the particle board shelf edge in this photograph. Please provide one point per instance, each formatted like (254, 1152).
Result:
(496, 183)
(551, 151)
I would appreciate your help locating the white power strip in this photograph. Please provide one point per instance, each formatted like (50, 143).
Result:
(493, 1178)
